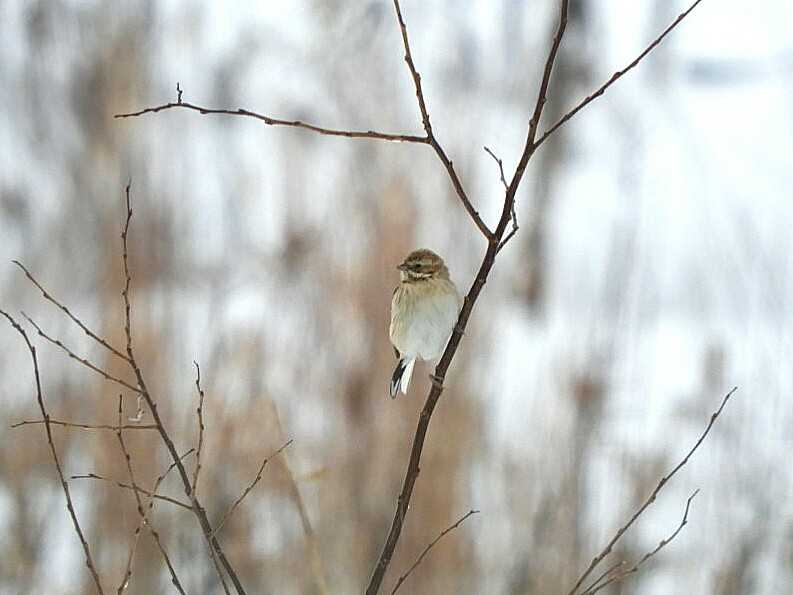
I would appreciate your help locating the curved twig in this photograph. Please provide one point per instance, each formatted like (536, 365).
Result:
(651, 498)
(426, 550)
(89, 561)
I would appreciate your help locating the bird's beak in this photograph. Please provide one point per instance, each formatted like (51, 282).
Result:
(402, 267)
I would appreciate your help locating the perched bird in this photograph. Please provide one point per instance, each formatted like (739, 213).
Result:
(424, 310)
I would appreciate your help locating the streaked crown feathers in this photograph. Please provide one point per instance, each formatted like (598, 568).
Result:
(423, 264)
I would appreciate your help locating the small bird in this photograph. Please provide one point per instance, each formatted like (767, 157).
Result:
(424, 310)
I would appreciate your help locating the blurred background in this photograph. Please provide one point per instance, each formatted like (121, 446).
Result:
(650, 275)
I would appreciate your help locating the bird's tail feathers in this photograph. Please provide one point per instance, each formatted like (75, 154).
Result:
(401, 378)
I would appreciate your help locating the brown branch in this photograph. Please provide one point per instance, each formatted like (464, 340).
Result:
(633, 569)
(216, 551)
(248, 489)
(126, 486)
(615, 77)
(605, 574)
(531, 146)
(412, 471)
(449, 529)
(367, 134)
(431, 139)
(500, 165)
(69, 505)
(143, 520)
(200, 414)
(136, 535)
(82, 360)
(47, 296)
(69, 424)
(651, 498)
(515, 226)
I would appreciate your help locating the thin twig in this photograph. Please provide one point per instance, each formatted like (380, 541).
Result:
(145, 519)
(449, 529)
(431, 138)
(248, 489)
(651, 498)
(82, 360)
(75, 319)
(131, 474)
(615, 77)
(515, 227)
(79, 426)
(219, 559)
(200, 414)
(512, 231)
(531, 146)
(413, 467)
(126, 486)
(412, 471)
(633, 569)
(368, 134)
(500, 165)
(143, 515)
(69, 505)
(605, 574)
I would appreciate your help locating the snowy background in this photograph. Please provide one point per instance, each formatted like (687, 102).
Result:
(651, 274)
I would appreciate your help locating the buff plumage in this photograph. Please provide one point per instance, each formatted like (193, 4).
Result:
(424, 310)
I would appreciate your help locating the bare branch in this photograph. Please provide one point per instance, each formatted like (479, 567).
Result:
(431, 139)
(200, 414)
(531, 146)
(126, 486)
(500, 165)
(366, 134)
(449, 529)
(47, 296)
(651, 498)
(515, 226)
(82, 360)
(616, 76)
(412, 471)
(215, 550)
(69, 505)
(633, 569)
(79, 426)
(605, 574)
(145, 519)
(142, 514)
(248, 489)
(136, 535)
(512, 231)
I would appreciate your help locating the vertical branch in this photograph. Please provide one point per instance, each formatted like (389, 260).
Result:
(89, 561)
(651, 498)
(494, 239)
(200, 414)
(139, 503)
(216, 551)
(433, 142)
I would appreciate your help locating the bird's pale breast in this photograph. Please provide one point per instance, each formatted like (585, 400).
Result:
(423, 315)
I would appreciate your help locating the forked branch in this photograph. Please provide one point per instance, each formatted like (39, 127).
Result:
(430, 545)
(616, 76)
(89, 561)
(651, 498)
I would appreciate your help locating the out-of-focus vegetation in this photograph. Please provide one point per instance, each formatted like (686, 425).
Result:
(646, 280)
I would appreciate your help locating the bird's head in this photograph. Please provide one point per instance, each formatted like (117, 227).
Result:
(423, 264)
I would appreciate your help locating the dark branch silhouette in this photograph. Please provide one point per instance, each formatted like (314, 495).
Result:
(430, 545)
(651, 498)
(89, 561)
